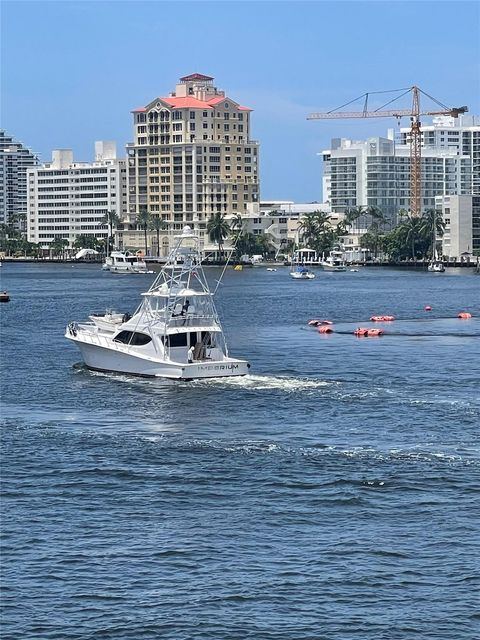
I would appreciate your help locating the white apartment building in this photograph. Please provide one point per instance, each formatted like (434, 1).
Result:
(15, 159)
(68, 198)
(192, 156)
(461, 135)
(461, 215)
(376, 172)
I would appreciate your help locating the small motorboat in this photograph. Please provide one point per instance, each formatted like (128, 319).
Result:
(4, 297)
(436, 267)
(270, 269)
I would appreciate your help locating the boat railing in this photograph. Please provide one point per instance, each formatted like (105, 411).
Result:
(190, 320)
(102, 341)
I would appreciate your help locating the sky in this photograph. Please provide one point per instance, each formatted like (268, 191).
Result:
(71, 72)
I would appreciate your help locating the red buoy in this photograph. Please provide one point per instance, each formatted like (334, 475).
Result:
(428, 308)
(464, 315)
(361, 331)
(325, 329)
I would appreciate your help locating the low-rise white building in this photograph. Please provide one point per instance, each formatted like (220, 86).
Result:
(67, 199)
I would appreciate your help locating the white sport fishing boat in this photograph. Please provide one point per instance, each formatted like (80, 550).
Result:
(174, 333)
(120, 262)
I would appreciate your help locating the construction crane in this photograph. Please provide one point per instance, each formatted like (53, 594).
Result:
(415, 132)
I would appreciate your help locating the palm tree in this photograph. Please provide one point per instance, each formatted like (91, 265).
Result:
(85, 241)
(352, 214)
(158, 224)
(431, 227)
(59, 245)
(411, 232)
(110, 220)
(143, 220)
(218, 229)
(264, 244)
(317, 232)
(237, 223)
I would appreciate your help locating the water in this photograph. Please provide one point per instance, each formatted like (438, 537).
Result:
(332, 494)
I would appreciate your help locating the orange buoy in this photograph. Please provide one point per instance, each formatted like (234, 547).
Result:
(361, 331)
(464, 315)
(388, 318)
(428, 308)
(375, 332)
(325, 329)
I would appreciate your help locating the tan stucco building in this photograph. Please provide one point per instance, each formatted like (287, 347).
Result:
(192, 156)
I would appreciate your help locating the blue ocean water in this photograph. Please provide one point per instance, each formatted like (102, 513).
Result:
(331, 494)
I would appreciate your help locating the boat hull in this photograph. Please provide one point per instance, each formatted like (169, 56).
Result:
(106, 359)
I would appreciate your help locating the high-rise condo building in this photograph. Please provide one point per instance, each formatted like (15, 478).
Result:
(68, 198)
(15, 159)
(460, 135)
(192, 156)
(376, 172)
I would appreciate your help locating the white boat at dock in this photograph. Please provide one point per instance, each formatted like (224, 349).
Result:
(174, 333)
(334, 262)
(125, 262)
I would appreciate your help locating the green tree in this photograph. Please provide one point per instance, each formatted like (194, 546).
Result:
(158, 224)
(58, 246)
(245, 244)
(111, 221)
(263, 244)
(218, 229)
(315, 231)
(143, 221)
(431, 228)
(85, 241)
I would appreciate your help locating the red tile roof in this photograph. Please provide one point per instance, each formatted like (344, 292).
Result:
(188, 102)
(216, 100)
(196, 76)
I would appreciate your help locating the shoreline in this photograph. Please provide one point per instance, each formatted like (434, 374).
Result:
(404, 265)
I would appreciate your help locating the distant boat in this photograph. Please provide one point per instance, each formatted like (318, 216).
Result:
(4, 297)
(334, 262)
(301, 273)
(125, 262)
(298, 270)
(436, 267)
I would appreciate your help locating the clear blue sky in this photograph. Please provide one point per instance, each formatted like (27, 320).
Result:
(73, 71)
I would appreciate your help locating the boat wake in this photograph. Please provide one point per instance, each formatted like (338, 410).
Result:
(262, 383)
